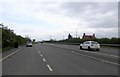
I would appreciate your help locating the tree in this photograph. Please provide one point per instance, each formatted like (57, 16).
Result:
(70, 36)
(9, 38)
(33, 40)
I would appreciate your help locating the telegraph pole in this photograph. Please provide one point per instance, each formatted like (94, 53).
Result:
(76, 32)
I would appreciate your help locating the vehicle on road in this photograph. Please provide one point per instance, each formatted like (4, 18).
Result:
(29, 45)
(90, 45)
(41, 42)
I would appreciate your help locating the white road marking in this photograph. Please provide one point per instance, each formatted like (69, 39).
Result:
(49, 68)
(94, 52)
(107, 54)
(102, 54)
(38, 50)
(98, 59)
(65, 45)
(44, 59)
(0, 60)
(9, 55)
(72, 51)
(86, 51)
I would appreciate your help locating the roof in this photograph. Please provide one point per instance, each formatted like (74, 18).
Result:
(88, 36)
(90, 41)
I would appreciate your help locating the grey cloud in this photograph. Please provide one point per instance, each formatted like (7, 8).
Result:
(110, 22)
(87, 11)
(111, 33)
(94, 7)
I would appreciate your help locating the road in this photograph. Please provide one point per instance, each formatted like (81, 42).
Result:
(106, 53)
(53, 59)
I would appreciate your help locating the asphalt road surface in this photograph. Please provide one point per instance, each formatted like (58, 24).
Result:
(53, 59)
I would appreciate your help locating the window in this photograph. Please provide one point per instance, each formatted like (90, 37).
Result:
(94, 43)
(86, 43)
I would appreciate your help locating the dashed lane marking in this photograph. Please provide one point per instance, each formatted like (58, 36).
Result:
(49, 68)
(102, 54)
(97, 59)
(38, 51)
(44, 59)
(72, 51)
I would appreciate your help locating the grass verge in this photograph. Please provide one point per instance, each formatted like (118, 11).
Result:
(6, 49)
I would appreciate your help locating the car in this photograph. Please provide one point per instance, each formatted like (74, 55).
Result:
(90, 45)
(29, 45)
(16, 45)
(41, 42)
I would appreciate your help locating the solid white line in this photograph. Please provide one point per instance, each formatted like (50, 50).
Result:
(49, 68)
(98, 59)
(44, 59)
(10, 55)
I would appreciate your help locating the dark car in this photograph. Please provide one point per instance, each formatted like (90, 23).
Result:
(15, 44)
(41, 42)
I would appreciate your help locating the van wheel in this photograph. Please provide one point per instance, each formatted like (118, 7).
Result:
(89, 48)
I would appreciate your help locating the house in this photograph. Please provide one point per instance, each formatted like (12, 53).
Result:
(88, 37)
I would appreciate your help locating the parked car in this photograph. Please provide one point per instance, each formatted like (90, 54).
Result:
(90, 45)
(29, 45)
(16, 45)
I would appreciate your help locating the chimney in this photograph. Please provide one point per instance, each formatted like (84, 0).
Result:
(83, 34)
(94, 35)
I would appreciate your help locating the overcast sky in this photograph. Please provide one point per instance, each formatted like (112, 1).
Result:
(40, 20)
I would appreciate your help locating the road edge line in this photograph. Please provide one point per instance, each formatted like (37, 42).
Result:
(10, 55)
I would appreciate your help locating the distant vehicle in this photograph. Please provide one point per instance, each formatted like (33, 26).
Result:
(29, 45)
(41, 42)
(16, 45)
(90, 45)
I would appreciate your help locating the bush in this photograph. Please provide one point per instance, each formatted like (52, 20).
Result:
(9, 38)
